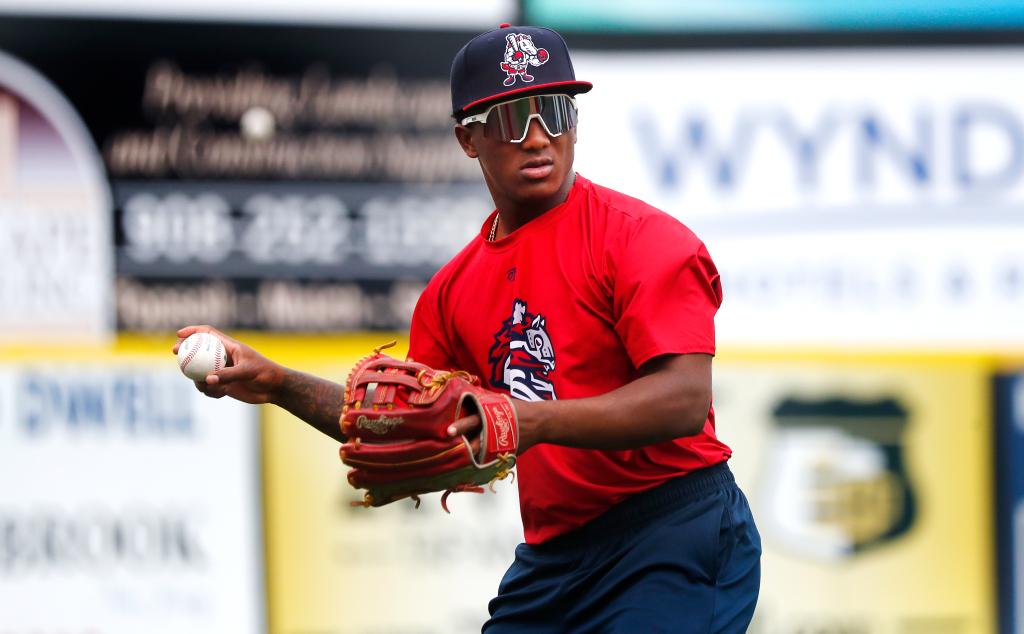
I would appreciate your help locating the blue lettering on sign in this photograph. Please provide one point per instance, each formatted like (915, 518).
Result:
(906, 148)
(98, 540)
(670, 163)
(807, 147)
(123, 403)
(913, 161)
(999, 120)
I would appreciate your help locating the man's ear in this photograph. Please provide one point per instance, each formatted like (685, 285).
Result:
(465, 137)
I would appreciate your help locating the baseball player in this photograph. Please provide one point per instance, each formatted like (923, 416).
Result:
(595, 312)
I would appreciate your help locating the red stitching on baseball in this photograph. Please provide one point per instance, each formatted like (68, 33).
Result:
(191, 355)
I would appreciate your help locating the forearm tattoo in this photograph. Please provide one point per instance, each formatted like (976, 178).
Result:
(316, 401)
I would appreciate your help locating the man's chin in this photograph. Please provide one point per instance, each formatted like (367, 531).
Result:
(537, 192)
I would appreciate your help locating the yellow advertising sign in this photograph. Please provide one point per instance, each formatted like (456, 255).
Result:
(332, 567)
(869, 478)
(870, 483)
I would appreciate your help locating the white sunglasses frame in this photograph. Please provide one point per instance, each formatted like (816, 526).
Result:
(482, 117)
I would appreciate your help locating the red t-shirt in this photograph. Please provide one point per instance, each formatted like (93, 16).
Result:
(569, 306)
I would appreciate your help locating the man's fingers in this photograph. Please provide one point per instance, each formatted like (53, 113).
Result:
(191, 330)
(464, 426)
(229, 375)
(213, 391)
(202, 387)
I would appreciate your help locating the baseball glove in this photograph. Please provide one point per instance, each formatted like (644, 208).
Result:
(396, 417)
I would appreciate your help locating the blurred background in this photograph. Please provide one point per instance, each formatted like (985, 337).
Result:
(285, 171)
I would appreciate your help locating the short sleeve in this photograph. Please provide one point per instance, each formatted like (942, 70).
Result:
(665, 290)
(428, 341)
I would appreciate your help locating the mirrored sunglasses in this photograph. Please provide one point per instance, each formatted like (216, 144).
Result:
(510, 121)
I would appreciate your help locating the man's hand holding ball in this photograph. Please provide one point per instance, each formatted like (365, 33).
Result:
(222, 366)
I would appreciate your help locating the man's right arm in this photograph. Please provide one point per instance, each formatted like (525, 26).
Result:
(253, 378)
(314, 400)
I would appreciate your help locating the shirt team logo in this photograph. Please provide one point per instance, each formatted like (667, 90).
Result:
(522, 357)
(520, 54)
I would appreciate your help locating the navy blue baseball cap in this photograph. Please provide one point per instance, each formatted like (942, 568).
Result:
(511, 61)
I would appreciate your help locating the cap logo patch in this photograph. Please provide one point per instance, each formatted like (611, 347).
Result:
(520, 54)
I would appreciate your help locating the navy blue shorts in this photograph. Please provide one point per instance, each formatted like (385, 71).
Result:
(684, 556)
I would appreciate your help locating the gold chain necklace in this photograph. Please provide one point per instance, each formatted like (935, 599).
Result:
(494, 229)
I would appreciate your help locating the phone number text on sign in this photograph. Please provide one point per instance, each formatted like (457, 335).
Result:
(180, 234)
(289, 229)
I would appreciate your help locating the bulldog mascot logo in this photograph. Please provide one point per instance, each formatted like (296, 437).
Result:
(520, 54)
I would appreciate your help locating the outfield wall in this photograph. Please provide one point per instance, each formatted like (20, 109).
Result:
(871, 477)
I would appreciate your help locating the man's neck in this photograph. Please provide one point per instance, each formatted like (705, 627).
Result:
(513, 215)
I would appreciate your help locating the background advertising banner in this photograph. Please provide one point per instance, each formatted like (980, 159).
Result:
(56, 270)
(870, 483)
(267, 176)
(135, 507)
(333, 567)
(1009, 472)
(849, 198)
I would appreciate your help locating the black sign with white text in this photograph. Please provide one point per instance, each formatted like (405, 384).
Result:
(263, 176)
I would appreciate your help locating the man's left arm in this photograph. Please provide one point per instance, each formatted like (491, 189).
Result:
(670, 399)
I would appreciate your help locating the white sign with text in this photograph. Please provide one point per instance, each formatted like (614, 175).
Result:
(859, 197)
(130, 503)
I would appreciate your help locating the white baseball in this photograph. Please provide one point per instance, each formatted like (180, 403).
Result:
(200, 354)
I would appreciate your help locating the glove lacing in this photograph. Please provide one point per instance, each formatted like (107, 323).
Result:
(501, 474)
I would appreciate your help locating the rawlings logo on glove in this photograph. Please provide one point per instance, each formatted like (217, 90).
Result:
(396, 417)
(382, 425)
